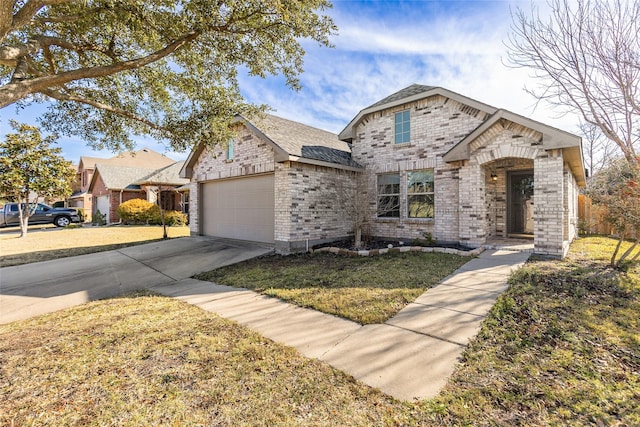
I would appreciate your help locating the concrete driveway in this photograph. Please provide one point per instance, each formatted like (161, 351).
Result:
(34, 289)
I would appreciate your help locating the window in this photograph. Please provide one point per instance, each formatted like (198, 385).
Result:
(420, 194)
(185, 202)
(403, 127)
(230, 149)
(389, 196)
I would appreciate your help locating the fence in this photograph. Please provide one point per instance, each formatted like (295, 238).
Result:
(591, 217)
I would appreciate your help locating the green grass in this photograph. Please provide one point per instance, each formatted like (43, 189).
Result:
(363, 289)
(152, 360)
(561, 347)
(51, 243)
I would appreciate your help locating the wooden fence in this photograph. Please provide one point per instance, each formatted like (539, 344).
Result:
(591, 218)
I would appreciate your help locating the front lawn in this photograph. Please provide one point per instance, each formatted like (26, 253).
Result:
(561, 347)
(151, 361)
(363, 289)
(52, 243)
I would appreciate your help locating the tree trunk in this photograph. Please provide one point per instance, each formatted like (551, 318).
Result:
(358, 237)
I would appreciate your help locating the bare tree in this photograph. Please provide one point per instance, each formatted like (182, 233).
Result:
(354, 192)
(586, 59)
(597, 150)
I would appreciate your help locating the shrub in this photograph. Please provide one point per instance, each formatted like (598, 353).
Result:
(99, 218)
(171, 218)
(175, 218)
(136, 211)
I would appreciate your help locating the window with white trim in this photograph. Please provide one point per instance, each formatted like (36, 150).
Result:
(420, 194)
(388, 196)
(230, 149)
(403, 127)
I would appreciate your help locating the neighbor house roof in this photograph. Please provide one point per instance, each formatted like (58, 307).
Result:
(143, 158)
(405, 96)
(119, 177)
(291, 141)
(169, 175)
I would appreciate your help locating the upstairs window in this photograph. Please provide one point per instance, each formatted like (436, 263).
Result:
(420, 194)
(230, 149)
(389, 196)
(403, 127)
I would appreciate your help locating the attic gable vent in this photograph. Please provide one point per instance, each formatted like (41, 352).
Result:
(473, 112)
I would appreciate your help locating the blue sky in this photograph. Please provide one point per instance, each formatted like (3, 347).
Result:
(382, 47)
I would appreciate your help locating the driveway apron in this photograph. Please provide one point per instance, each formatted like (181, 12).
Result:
(44, 287)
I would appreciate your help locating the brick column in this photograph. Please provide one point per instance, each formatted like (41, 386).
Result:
(548, 196)
(473, 209)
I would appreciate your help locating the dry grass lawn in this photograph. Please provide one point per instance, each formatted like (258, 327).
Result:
(45, 243)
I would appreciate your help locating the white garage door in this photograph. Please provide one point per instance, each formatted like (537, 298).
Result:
(241, 208)
(102, 205)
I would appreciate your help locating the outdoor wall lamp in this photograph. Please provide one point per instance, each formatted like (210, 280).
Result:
(494, 177)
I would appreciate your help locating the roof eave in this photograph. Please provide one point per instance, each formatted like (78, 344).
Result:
(308, 161)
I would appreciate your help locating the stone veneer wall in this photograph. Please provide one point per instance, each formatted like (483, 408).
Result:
(437, 124)
(251, 156)
(308, 206)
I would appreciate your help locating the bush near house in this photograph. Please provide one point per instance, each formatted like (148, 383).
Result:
(140, 211)
(135, 211)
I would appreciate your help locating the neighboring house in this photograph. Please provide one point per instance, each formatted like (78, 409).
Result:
(112, 185)
(440, 163)
(144, 158)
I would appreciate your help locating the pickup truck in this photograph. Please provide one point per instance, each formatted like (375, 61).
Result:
(60, 217)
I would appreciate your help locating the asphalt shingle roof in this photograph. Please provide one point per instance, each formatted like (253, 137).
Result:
(122, 177)
(407, 92)
(305, 141)
(169, 175)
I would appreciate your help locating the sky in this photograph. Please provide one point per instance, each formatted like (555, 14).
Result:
(382, 47)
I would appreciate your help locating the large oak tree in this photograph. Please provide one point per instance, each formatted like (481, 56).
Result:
(165, 68)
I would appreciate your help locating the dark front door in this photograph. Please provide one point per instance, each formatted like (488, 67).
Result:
(520, 202)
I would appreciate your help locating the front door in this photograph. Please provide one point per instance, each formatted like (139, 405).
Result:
(520, 203)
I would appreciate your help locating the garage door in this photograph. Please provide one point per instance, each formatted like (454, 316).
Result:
(241, 208)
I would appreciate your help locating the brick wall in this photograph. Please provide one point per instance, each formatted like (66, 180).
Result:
(309, 208)
(549, 203)
(437, 124)
(251, 155)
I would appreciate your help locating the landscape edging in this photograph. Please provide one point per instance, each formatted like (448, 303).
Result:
(373, 252)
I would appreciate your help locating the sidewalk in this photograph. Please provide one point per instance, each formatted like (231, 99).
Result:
(410, 356)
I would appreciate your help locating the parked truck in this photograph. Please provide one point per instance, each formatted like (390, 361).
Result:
(42, 214)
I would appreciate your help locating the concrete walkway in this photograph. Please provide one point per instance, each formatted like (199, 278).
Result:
(410, 356)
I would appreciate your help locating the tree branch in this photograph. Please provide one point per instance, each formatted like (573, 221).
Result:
(15, 91)
(61, 96)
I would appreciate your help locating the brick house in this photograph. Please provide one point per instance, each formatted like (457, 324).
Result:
(439, 162)
(143, 158)
(111, 185)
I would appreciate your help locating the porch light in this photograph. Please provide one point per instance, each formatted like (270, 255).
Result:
(494, 177)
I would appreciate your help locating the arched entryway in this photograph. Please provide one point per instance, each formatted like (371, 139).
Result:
(509, 198)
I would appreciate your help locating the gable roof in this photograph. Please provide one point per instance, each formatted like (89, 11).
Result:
(552, 138)
(119, 177)
(410, 94)
(291, 141)
(169, 175)
(143, 158)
